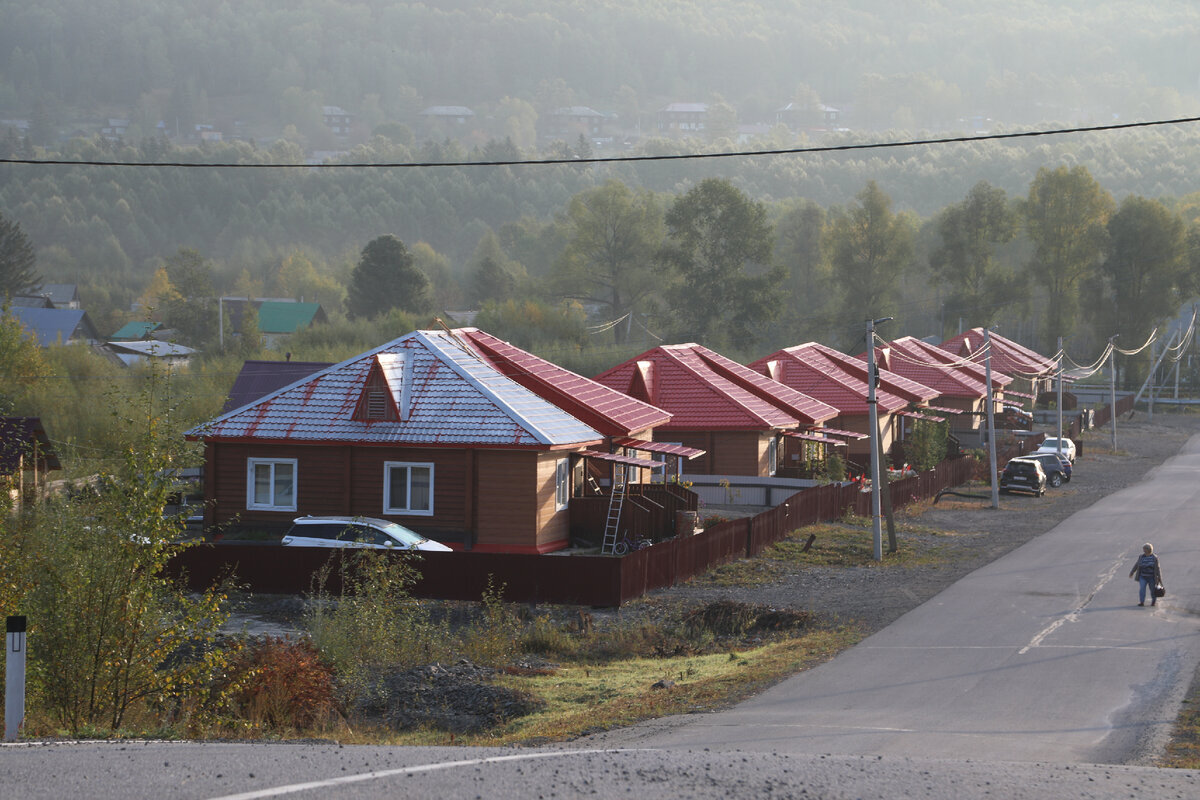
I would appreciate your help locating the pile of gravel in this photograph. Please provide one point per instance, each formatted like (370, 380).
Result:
(458, 698)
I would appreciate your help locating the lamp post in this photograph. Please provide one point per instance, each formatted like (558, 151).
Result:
(1112, 387)
(873, 414)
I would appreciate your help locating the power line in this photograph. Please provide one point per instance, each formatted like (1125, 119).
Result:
(615, 159)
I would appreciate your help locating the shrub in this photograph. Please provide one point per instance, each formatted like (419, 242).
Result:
(287, 686)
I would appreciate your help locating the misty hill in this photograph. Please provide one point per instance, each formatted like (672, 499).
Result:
(267, 65)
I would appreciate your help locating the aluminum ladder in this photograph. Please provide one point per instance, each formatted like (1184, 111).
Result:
(616, 501)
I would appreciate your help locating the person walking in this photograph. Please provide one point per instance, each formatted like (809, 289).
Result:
(1147, 573)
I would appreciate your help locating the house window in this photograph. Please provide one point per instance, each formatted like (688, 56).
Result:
(271, 484)
(408, 488)
(772, 456)
(562, 484)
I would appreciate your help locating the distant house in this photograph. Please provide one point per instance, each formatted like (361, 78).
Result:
(337, 119)
(62, 295)
(735, 415)
(26, 455)
(32, 301)
(573, 121)
(278, 319)
(449, 121)
(841, 381)
(682, 118)
(114, 129)
(1032, 372)
(456, 434)
(259, 378)
(141, 351)
(135, 331)
(961, 385)
(50, 326)
(798, 116)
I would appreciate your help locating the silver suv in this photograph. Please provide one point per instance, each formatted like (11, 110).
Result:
(369, 532)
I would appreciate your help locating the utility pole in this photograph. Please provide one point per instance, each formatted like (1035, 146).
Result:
(1061, 357)
(876, 444)
(1112, 387)
(991, 416)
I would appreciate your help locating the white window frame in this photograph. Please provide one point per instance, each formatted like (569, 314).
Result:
(388, 507)
(562, 484)
(773, 455)
(251, 467)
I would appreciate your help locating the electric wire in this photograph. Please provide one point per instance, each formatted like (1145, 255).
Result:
(613, 159)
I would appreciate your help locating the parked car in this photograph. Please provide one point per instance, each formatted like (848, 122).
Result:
(1057, 468)
(369, 532)
(1051, 445)
(1023, 475)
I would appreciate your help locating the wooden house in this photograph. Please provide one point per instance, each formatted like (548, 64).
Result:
(456, 434)
(841, 381)
(1032, 372)
(734, 414)
(57, 326)
(26, 456)
(961, 383)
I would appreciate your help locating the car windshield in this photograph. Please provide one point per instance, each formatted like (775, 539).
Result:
(403, 534)
(1052, 443)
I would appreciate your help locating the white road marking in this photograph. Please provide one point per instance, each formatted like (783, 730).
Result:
(1037, 640)
(387, 773)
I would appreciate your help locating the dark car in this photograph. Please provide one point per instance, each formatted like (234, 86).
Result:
(1058, 468)
(1023, 475)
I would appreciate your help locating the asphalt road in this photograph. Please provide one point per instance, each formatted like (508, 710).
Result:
(1043, 655)
(1037, 676)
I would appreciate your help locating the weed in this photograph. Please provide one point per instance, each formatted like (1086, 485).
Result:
(286, 686)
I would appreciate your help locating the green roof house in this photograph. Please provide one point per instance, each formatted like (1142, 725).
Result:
(277, 319)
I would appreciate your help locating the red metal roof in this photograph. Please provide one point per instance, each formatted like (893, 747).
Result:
(837, 379)
(607, 410)
(1008, 356)
(706, 391)
(936, 368)
(812, 437)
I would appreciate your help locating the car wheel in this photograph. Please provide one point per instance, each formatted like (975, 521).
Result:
(1056, 480)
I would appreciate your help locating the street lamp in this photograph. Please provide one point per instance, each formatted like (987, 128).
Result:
(873, 413)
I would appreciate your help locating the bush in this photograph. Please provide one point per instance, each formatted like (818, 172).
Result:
(286, 686)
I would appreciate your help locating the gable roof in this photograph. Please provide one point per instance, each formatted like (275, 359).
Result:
(703, 390)
(280, 317)
(60, 293)
(21, 436)
(259, 378)
(32, 301)
(53, 325)
(130, 352)
(838, 379)
(136, 330)
(606, 409)
(457, 399)
(937, 368)
(1008, 356)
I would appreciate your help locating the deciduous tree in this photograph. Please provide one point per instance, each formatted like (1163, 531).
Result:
(965, 261)
(1065, 215)
(614, 233)
(720, 242)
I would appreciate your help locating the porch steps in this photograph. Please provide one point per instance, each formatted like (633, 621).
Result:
(616, 501)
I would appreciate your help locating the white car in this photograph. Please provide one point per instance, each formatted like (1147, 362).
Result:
(1051, 445)
(369, 532)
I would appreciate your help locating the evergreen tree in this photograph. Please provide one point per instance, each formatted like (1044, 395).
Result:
(386, 278)
(17, 260)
